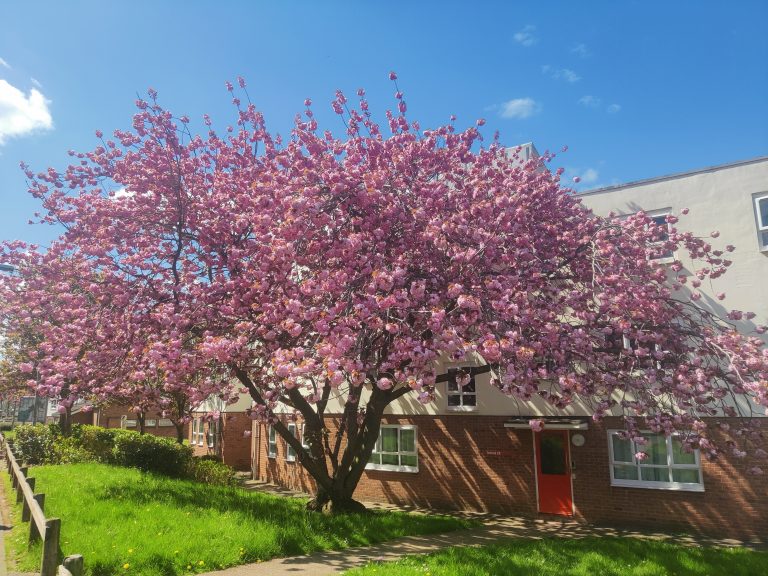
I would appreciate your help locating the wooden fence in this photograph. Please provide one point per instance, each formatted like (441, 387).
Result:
(40, 528)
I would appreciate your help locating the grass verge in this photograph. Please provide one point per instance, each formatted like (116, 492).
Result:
(608, 556)
(127, 522)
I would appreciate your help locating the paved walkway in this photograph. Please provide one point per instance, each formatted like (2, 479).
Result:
(495, 527)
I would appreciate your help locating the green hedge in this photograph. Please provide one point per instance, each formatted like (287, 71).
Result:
(44, 444)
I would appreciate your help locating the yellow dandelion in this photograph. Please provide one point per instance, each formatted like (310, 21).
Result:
(200, 563)
(130, 550)
(126, 566)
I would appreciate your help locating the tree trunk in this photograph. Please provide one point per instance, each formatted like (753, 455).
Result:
(140, 419)
(338, 501)
(65, 422)
(179, 432)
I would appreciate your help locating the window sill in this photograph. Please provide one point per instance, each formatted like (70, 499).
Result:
(392, 468)
(290, 459)
(461, 408)
(675, 486)
(273, 456)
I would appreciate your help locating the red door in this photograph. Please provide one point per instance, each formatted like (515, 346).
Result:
(553, 472)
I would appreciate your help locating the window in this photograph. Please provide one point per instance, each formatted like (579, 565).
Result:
(461, 397)
(395, 450)
(272, 442)
(658, 252)
(213, 426)
(194, 431)
(150, 423)
(304, 443)
(165, 422)
(666, 466)
(197, 432)
(290, 453)
(761, 209)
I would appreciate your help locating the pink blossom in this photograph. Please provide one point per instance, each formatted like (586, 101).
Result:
(537, 425)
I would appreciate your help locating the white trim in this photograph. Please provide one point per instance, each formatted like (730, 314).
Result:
(670, 466)
(535, 470)
(761, 229)
(565, 425)
(271, 432)
(400, 452)
(303, 442)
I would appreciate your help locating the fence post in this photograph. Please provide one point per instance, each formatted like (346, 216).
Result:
(25, 511)
(34, 534)
(74, 564)
(19, 491)
(51, 547)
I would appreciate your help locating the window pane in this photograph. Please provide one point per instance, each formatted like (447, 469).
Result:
(763, 212)
(389, 439)
(764, 238)
(392, 459)
(375, 458)
(454, 400)
(407, 441)
(408, 460)
(625, 472)
(654, 474)
(622, 449)
(656, 448)
(470, 386)
(679, 456)
(470, 400)
(452, 385)
(690, 476)
(552, 455)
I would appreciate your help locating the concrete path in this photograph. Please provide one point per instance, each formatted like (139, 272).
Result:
(494, 528)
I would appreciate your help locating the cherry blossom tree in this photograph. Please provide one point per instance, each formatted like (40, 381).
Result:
(349, 267)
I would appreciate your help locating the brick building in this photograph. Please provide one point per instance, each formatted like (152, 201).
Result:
(226, 436)
(117, 416)
(473, 448)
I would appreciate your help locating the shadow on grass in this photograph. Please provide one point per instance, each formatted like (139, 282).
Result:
(585, 557)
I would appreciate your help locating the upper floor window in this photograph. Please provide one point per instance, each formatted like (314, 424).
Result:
(664, 463)
(761, 209)
(658, 251)
(462, 392)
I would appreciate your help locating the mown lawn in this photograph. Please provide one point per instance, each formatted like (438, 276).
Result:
(127, 522)
(586, 557)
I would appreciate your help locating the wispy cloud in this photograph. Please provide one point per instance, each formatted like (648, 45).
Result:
(560, 73)
(590, 101)
(5, 64)
(597, 104)
(21, 114)
(35, 82)
(581, 50)
(519, 108)
(589, 176)
(526, 36)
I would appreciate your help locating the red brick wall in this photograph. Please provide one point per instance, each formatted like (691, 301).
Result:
(234, 444)
(109, 417)
(473, 462)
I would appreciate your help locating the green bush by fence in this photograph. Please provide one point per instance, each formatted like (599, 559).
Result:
(44, 444)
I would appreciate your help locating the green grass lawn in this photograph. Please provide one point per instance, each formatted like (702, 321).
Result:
(587, 557)
(126, 522)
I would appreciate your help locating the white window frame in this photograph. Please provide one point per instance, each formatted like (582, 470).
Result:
(290, 453)
(271, 442)
(399, 453)
(210, 437)
(460, 392)
(651, 484)
(303, 436)
(762, 228)
(201, 432)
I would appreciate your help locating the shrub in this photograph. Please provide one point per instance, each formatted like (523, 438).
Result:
(70, 451)
(97, 441)
(151, 453)
(210, 470)
(33, 444)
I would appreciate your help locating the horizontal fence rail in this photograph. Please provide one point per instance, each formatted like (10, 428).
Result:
(33, 511)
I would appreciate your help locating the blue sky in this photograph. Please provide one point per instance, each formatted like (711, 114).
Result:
(635, 89)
